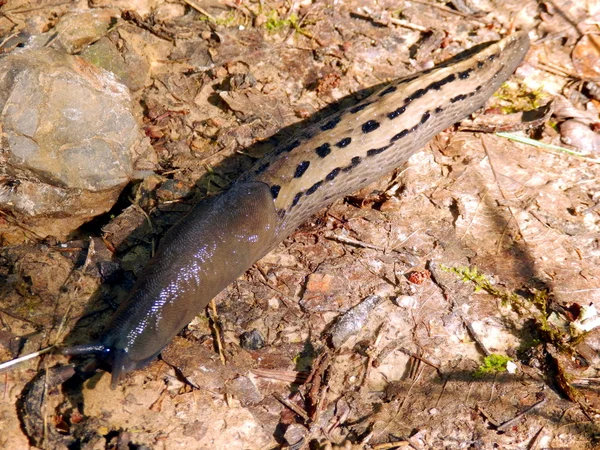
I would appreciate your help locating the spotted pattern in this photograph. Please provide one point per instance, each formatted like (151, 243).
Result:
(323, 150)
(297, 198)
(353, 163)
(275, 190)
(400, 135)
(465, 74)
(334, 173)
(344, 142)
(370, 126)
(436, 86)
(301, 169)
(377, 151)
(458, 98)
(311, 190)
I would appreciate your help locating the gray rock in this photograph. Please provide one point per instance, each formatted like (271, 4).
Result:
(69, 140)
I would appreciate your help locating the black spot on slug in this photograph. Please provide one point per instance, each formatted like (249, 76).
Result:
(370, 125)
(458, 98)
(311, 190)
(301, 169)
(437, 85)
(331, 124)
(275, 190)
(387, 91)
(323, 150)
(480, 64)
(439, 109)
(377, 151)
(297, 198)
(344, 142)
(400, 135)
(353, 163)
(416, 95)
(492, 57)
(396, 112)
(465, 74)
(334, 173)
(425, 117)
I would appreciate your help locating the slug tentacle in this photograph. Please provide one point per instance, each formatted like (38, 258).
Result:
(84, 349)
(223, 236)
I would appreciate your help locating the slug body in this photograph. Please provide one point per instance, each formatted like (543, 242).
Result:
(224, 235)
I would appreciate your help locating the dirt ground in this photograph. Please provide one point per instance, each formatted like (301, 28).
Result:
(480, 252)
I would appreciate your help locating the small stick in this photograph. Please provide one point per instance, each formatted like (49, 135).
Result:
(297, 409)
(509, 423)
(217, 334)
(394, 444)
(347, 240)
(200, 10)
(422, 359)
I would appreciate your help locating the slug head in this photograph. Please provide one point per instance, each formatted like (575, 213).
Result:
(117, 358)
(214, 244)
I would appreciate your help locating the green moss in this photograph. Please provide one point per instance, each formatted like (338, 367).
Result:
(534, 306)
(492, 364)
(511, 100)
(229, 19)
(275, 23)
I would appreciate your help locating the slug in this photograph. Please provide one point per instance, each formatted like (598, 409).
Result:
(222, 236)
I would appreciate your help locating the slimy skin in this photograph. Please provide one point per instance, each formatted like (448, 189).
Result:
(221, 237)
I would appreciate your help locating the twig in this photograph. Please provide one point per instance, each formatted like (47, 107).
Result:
(509, 423)
(347, 240)
(394, 444)
(217, 333)
(297, 409)
(536, 439)
(424, 360)
(554, 149)
(15, 222)
(449, 11)
(287, 376)
(201, 10)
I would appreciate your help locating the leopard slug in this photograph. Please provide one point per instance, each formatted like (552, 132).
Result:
(224, 235)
